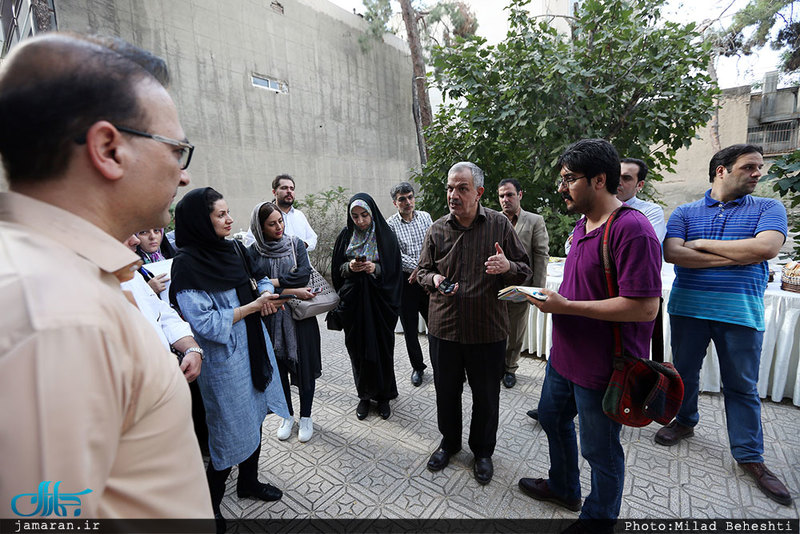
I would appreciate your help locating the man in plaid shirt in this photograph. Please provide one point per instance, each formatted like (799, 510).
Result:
(410, 226)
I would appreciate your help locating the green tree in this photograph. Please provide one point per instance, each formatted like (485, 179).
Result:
(452, 17)
(326, 212)
(752, 29)
(785, 173)
(624, 75)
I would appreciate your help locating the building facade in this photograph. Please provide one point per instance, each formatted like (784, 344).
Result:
(265, 88)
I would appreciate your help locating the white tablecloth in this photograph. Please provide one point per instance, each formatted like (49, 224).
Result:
(779, 374)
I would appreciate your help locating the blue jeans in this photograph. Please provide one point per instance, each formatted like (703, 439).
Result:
(560, 402)
(739, 351)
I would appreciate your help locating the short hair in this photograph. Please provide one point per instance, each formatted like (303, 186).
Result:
(642, 174)
(54, 87)
(211, 196)
(728, 156)
(402, 187)
(593, 157)
(277, 181)
(266, 209)
(512, 181)
(477, 173)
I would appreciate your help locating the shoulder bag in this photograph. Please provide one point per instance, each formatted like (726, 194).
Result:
(325, 300)
(640, 390)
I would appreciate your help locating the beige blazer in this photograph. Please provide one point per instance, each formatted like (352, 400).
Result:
(533, 234)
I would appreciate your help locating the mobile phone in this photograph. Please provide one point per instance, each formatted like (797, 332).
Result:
(446, 286)
(316, 290)
(361, 258)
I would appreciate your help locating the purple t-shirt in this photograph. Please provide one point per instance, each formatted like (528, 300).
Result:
(583, 348)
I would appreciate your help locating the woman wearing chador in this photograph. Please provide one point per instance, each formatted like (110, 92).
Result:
(239, 382)
(366, 273)
(284, 260)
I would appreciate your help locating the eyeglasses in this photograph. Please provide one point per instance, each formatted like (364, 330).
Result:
(187, 149)
(567, 180)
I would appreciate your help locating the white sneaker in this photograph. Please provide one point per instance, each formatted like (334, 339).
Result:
(306, 429)
(285, 430)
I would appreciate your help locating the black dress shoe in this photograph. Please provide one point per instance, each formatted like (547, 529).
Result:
(362, 409)
(534, 414)
(265, 492)
(539, 489)
(384, 410)
(483, 470)
(438, 460)
(509, 379)
(416, 377)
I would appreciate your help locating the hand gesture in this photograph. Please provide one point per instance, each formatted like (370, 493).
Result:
(303, 293)
(437, 281)
(158, 283)
(268, 307)
(191, 366)
(554, 304)
(497, 264)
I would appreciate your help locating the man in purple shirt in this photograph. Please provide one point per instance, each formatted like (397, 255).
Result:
(580, 361)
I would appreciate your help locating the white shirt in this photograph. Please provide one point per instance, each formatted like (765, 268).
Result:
(296, 225)
(653, 212)
(167, 323)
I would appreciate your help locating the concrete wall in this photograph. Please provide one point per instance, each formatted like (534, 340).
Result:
(690, 179)
(345, 120)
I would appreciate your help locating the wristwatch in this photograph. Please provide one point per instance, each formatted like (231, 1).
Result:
(195, 349)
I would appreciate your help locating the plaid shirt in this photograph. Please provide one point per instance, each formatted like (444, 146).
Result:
(410, 236)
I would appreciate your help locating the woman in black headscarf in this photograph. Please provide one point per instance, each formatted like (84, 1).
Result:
(367, 273)
(239, 381)
(284, 260)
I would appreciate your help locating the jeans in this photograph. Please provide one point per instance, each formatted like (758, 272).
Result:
(560, 402)
(739, 351)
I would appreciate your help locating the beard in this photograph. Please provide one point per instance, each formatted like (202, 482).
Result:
(283, 203)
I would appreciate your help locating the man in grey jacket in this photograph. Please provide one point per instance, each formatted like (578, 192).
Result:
(532, 232)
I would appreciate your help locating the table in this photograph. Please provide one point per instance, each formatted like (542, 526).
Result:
(779, 373)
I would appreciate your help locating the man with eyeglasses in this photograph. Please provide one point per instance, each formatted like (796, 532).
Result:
(580, 362)
(93, 151)
(410, 226)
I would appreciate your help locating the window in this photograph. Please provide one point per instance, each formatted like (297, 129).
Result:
(265, 82)
(775, 138)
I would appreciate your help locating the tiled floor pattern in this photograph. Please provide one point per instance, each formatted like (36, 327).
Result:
(376, 468)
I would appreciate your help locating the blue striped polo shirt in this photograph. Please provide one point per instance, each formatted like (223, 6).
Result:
(731, 294)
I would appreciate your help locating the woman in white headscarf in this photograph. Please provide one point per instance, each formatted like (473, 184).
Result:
(367, 274)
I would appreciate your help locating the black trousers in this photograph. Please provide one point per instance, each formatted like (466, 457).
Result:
(484, 364)
(306, 395)
(414, 301)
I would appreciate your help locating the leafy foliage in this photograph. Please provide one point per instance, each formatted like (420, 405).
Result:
(625, 75)
(758, 18)
(377, 14)
(326, 212)
(785, 173)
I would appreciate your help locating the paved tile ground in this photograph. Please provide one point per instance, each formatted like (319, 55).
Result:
(376, 468)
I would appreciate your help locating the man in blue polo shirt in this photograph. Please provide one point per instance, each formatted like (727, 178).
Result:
(580, 363)
(720, 246)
